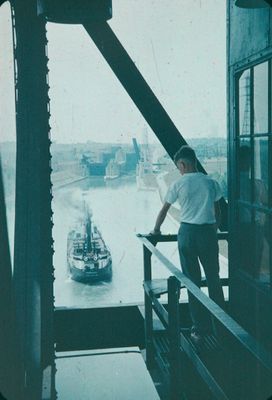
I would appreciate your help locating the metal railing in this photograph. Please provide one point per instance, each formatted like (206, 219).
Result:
(170, 319)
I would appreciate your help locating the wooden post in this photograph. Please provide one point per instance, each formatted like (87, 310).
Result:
(148, 312)
(174, 337)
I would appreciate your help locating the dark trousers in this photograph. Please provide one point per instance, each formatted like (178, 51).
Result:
(199, 243)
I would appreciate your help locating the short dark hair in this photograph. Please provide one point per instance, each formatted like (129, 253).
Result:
(185, 153)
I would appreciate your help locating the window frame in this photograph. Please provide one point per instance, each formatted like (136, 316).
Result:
(252, 136)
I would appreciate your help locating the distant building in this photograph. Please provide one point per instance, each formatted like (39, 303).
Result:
(120, 156)
(96, 169)
(106, 157)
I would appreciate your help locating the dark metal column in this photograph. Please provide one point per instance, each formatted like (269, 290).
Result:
(33, 273)
(10, 357)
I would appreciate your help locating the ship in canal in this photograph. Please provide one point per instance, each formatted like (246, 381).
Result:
(88, 258)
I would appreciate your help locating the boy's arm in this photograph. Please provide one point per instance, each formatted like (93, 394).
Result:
(161, 217)
(217, 211)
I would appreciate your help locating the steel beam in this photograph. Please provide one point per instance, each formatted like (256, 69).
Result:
(136, 86)
(33, 271)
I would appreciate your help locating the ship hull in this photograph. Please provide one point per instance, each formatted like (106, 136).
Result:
(88, 258)
(92, 275)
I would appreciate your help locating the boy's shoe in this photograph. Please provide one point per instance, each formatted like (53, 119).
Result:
(196, 337)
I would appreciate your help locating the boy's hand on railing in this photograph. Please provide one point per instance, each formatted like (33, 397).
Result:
(151, 233)
(155, 232)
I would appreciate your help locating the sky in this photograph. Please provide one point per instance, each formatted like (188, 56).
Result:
(179, 46)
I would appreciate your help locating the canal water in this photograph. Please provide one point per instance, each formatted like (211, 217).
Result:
(120, 211)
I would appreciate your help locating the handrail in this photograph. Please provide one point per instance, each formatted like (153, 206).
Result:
(173, 237)
(239, 333)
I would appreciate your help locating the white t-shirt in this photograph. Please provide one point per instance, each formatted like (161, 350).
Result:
(196, 194)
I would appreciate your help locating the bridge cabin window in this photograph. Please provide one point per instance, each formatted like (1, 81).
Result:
(98, 134)
(253, 165)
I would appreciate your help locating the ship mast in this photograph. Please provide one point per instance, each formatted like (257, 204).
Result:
(88, 231)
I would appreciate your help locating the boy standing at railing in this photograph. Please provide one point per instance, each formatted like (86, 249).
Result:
(198, 196)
